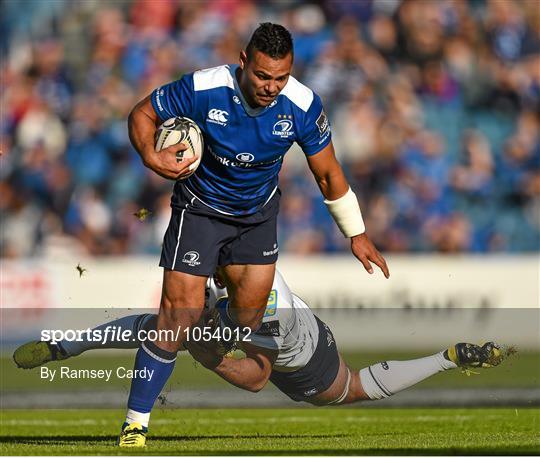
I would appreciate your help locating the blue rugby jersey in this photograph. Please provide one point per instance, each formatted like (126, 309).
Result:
(244, 147)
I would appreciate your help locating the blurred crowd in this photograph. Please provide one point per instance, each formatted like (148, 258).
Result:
(434, 107)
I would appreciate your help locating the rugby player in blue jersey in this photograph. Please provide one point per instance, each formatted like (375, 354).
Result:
(225, 214)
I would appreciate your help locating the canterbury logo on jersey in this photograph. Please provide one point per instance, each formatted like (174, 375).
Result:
(217, 116)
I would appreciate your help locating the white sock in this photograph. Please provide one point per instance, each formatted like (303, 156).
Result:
(389, 377)
(116, 327)
(133, 416)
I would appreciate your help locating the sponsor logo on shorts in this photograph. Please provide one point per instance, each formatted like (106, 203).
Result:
(271, 252)
(384, 365)
(191, 258)
(310, 392)
(329, 335)
(217, 116)
(236, 99)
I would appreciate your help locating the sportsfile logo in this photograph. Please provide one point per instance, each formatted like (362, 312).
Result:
(191, 258)
(217, 117)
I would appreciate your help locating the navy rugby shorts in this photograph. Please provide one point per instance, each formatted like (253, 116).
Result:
(317, 375)
(200, 238)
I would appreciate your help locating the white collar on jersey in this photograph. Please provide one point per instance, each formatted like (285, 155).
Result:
(250, 111)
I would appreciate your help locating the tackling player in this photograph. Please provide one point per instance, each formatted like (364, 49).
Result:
(293, 349)
(225, 213)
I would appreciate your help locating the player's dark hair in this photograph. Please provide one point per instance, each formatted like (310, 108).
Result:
(274, 40)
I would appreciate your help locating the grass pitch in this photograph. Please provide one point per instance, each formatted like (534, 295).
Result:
(317, 431)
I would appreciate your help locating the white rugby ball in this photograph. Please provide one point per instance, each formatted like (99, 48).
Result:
(181, 130)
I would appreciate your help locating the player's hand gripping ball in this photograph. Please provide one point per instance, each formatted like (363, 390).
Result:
(181, 130)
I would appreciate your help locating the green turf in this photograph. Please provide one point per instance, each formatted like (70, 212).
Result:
(322, 431)
(521, 370)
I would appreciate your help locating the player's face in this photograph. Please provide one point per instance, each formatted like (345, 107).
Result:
(263, 77)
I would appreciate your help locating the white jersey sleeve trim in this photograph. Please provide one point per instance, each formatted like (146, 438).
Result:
(297, 93)
(211, 78)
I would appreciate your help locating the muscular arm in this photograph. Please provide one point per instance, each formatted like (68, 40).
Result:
(142, 124)
(328, 173)
(333, 185)
(251, 373)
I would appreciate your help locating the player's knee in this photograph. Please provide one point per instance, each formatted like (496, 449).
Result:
(181, 302)
(171, 316)
(356, 391)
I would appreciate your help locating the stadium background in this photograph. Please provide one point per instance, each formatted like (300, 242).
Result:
(434, 111)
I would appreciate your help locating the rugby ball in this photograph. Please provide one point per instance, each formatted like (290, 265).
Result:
(181, 130)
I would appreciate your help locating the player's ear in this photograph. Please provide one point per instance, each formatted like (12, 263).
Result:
(243, 59)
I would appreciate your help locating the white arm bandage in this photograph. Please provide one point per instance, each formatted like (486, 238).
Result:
(347, 215)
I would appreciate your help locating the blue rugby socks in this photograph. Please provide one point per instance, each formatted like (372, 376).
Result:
(157, 366)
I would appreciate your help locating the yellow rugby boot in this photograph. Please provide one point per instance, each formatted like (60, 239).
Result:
(36, 353)
(467, 355)
(132, 435)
